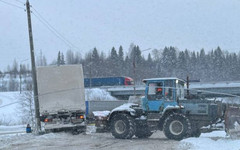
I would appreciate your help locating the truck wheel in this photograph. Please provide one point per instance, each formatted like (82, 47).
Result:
(75, 132)
(176, 127)
(123, 126)
(143, 132)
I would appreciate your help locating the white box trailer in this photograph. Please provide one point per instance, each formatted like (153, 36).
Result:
(62, 97)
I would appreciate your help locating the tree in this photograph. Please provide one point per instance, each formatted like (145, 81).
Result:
(41, 59)
(3, 83)
(218, 60)
(12, 84)
(59, 59)
(169, 59)
(62, 61)
(77, 58)
(70, 57)
(120, 61)
(182, 65)
(113, 62)
(14, 70)
(27, 108)
(95, 62)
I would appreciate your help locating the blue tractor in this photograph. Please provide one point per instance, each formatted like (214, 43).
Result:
(164, 107)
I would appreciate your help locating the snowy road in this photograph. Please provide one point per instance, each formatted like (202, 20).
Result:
(14, 132)
(104, 141)
(100, 141)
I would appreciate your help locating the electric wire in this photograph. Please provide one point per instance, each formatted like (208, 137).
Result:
(10, 4)
(50, 29)
(10, 104)
(20, 2)
(53, 29)
(71, 89)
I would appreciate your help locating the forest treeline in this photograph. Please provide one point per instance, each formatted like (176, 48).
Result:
(214, 65)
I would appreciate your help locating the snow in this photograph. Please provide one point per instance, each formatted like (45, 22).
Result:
(125, 107)
(223, 84)
(12, 129)
(216, 140)
(15, 137)
(212, 141)
(97, 94)
(10, 104)
(101, 113)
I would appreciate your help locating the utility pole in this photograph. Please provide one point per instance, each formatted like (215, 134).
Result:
(34, 75)
(134, 65)
(134, 69)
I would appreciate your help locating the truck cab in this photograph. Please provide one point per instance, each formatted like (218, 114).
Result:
(161, 93)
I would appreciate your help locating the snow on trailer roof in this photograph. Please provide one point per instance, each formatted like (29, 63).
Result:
(167, 78)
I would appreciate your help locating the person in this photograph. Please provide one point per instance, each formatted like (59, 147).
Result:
(28, 129)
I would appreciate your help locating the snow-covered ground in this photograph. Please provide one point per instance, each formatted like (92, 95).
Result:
(104, 141)
(10, 107)
(13, 136)
(216, 140)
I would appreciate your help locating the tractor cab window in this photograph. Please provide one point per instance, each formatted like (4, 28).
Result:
(180, 89)
(168, 90)
(155, 91)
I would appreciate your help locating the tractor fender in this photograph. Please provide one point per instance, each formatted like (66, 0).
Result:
(125, 108)
(171, 108)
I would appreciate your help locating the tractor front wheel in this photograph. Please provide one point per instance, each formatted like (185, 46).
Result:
(123, 126)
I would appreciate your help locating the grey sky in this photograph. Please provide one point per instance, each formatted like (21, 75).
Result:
(191, 24)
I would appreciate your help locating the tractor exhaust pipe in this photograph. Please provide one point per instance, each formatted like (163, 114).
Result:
(188, 95)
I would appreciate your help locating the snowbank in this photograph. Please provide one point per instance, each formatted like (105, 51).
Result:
(10, 107)
(216, 140)
(97, 94)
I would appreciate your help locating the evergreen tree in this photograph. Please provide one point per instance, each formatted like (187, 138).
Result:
(120, 63)
(15, 68)
(41, 59)
(62, 61)
(95, 63)
(169, 59)
(182, 65)
(70, 57)
(59, 59)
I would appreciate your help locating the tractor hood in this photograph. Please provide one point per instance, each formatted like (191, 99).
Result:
(128, 107)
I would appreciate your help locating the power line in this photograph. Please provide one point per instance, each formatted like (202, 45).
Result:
(58, 34)
(50, 29)
(20, 2)
(10, 4)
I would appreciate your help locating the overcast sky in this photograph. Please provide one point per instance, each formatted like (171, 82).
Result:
(185, 24)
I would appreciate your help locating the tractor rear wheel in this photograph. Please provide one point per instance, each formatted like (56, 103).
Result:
(123, 126)
(177, 127)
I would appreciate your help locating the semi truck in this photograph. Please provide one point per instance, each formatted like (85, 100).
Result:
(164, 107)
(62, 98)
(108, 81)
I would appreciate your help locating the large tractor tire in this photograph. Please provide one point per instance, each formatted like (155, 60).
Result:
(123, 126)
(177, 127)
(143, 132)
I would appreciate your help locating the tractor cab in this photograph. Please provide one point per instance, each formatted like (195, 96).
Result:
(161, 93)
